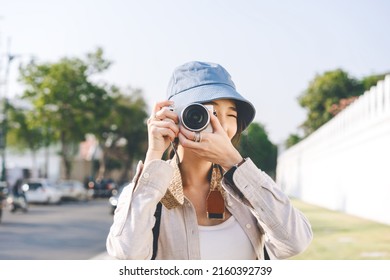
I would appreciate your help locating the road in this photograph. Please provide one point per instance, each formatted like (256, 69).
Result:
(70, 231)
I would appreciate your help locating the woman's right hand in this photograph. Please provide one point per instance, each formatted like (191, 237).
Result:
(162, 129)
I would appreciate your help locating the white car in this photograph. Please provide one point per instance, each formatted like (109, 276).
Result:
(74, 190)
(42, 191)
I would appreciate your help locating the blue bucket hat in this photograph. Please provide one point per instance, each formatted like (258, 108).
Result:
(201, 82)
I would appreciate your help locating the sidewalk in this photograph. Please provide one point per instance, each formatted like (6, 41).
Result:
(103, 256)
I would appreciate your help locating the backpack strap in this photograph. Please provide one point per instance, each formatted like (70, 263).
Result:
(266, 256)
(156, 229)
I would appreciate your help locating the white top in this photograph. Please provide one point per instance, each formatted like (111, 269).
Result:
(226, 241)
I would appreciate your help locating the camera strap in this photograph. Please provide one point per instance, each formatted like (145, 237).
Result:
(215, 203)
(176, 154)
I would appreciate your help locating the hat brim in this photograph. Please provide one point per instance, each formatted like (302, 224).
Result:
(207, 93)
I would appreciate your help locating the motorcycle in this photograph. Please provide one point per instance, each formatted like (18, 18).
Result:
(17, 199)
(17, 202)
(3, 194)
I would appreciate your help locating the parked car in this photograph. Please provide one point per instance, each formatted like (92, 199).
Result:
(104, 188)
(42, 191)
(74, 190)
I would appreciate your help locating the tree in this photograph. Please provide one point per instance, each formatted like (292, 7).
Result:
(24, 131)
(123, 133)
(324, 91)
(330, 93)
(67, 103)
(292, 140)
(255, 144)
(372, 80)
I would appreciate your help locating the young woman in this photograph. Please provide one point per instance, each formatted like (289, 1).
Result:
(216, 204)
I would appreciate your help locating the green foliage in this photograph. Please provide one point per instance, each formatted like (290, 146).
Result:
(255, 144)
(369, 81)
(24, 129)
(324, 91)
(66, 102)
(125, 123)
(292, 140)
(327, 90)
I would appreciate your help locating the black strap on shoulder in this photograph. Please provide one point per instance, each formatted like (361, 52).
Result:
(266, 256)
(156, 229)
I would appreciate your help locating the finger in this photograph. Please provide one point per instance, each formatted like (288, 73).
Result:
(166, 124)
(164, 132)
(216, 125)
(169, 133)
(187, 133)
(159, 105)
(187, 143)
(167, 113)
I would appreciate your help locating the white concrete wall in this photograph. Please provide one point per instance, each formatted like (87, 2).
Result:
(345, 165)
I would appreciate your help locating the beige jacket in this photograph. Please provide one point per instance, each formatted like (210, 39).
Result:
(260, 207)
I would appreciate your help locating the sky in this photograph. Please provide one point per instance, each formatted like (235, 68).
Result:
(272, 49)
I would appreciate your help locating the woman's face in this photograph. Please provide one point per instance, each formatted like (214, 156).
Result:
(226, 112)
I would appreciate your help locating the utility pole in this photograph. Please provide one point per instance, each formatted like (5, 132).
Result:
(2, 118)
(3, 183)
(4, 109)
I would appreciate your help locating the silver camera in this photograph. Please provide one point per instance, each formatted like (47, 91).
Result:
(195, 117)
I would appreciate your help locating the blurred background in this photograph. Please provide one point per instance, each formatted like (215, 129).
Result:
(78, 80)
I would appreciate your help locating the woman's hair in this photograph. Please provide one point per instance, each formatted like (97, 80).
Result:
(240, 127)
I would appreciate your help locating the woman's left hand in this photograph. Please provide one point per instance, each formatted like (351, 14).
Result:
(215, 146)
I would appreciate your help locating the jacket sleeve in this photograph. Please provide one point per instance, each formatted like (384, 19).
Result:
(288, 232)
(130, 235)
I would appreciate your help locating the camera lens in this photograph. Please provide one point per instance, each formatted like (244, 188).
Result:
(195, 117)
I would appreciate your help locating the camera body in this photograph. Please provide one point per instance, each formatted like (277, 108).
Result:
(195, 117)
